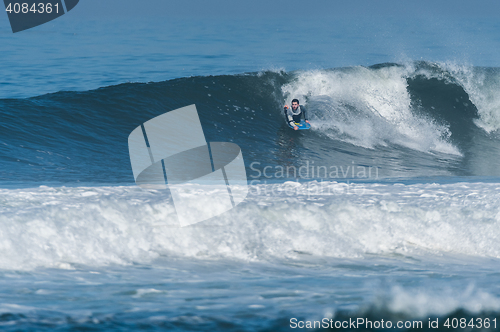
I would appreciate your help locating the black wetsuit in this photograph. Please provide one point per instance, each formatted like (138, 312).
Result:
(293, 117)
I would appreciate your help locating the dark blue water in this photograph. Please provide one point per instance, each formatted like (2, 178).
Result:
(394, 215)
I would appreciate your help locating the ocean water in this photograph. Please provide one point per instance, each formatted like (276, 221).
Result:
(387, 209)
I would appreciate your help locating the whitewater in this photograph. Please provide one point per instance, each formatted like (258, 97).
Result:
(127, 225)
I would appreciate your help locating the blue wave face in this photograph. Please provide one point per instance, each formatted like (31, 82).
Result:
(418, 119)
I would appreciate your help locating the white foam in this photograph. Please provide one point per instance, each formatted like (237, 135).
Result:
(368, 107)
(425, 303)
(60, 227)
(482, 86)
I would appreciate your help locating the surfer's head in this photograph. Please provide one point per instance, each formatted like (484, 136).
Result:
(295, 104)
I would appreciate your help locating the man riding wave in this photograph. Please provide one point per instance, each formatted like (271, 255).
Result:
(294, 114)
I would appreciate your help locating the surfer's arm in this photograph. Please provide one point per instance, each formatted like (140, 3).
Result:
(289, 117)
(304, 112)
